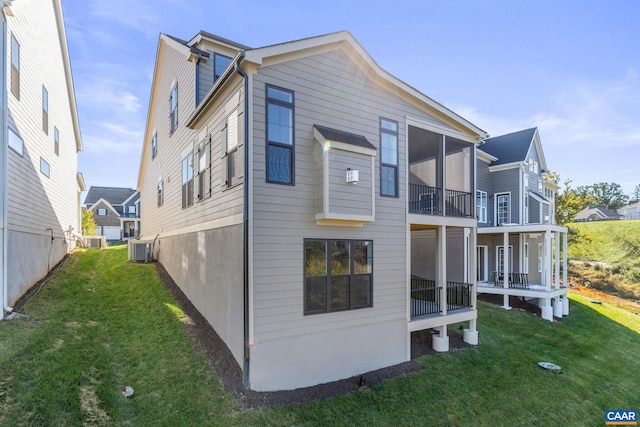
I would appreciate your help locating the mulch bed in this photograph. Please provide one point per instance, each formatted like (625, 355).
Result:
(230, 374)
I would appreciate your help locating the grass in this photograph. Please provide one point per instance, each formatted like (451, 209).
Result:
(607, 257)
(101, 324)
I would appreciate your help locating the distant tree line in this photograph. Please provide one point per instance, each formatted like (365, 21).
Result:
(570, 201)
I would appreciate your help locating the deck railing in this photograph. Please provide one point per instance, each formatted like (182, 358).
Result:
(458, 295)
(424, 199)
(516, 280)
(425, 297)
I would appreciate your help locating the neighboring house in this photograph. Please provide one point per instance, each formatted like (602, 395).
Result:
(297, 194)
(630, 212)
(516, 210)
(116, 212)
(596, 214)
(40, 187)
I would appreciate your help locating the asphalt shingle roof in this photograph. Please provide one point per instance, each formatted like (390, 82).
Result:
(509, 148)
(113, 195)
(346, 137)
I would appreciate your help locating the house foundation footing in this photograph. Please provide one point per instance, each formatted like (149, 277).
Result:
(440, 344)
(470, 337)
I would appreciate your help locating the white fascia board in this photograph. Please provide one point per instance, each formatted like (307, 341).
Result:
(343, 39)
(538, 145)
(106, 202)
(485, 156)
(506, 166)
(62, 36)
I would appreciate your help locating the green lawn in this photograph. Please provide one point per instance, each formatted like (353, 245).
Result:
(607, 241)
(101, 324)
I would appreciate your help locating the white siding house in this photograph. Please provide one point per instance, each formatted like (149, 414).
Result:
(282, 198)
(40, 185)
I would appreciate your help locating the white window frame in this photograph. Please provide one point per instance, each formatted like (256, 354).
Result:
(45, 168)
(525, 250)
(481, 206)
(485, 263)
(496, 204)
(500, 249)
(102, 212)
(539, 257)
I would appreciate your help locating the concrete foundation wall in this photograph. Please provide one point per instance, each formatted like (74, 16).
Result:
(208, 268)
(29, 257)
(327, 356)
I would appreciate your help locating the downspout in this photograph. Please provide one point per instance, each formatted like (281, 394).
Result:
(4, 164)
(245, 249)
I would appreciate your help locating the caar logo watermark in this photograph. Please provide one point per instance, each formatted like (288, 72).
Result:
(621, 418)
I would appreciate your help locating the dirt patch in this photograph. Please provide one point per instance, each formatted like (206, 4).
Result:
(90, 405)
(230, 373)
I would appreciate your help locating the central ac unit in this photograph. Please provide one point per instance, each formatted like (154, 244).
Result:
(141, 252)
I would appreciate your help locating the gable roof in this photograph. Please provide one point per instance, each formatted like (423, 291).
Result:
(598, 211)
(631, 206)
(509, 148)
(113, 195)
(103, 202)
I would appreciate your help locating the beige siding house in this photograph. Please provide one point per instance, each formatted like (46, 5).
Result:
(40, 185)
(307, 202)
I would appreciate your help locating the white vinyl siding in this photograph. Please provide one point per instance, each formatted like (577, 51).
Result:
(34, 202)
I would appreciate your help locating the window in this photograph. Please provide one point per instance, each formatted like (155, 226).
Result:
(338, 275)
(45, 110)
(389, 158)
(526, 209)
(500, 259)
(187, 181)
(102, 212)
(232, 162)
(160, 192)
(540, 257)
(15, 142)
(56, 140)
(503, 213)
(280, 140)
(45, 168)
(482, 264)
(173, 109)
(526, 258)
(220, 63)
(481, 206)
(15, 67)
(132, 209)
(154, 145)
(204, 169)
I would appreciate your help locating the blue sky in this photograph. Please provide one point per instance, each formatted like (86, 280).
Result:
(571, 68)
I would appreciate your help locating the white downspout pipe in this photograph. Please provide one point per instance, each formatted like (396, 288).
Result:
(4, 164)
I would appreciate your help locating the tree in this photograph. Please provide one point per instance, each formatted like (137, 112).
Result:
(88, 223)
(569, 201)
(635, 196)
(609, 195)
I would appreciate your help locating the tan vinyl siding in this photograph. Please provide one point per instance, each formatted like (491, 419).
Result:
(347, 198)
(329, 90)
(224, 202)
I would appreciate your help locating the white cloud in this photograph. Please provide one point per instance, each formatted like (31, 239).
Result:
(590, 131)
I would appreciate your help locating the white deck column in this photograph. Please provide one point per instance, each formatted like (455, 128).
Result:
(505, 269)
(565, 248)
(556, 280)
(470, 336)
(546, 260)
(441, 267)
